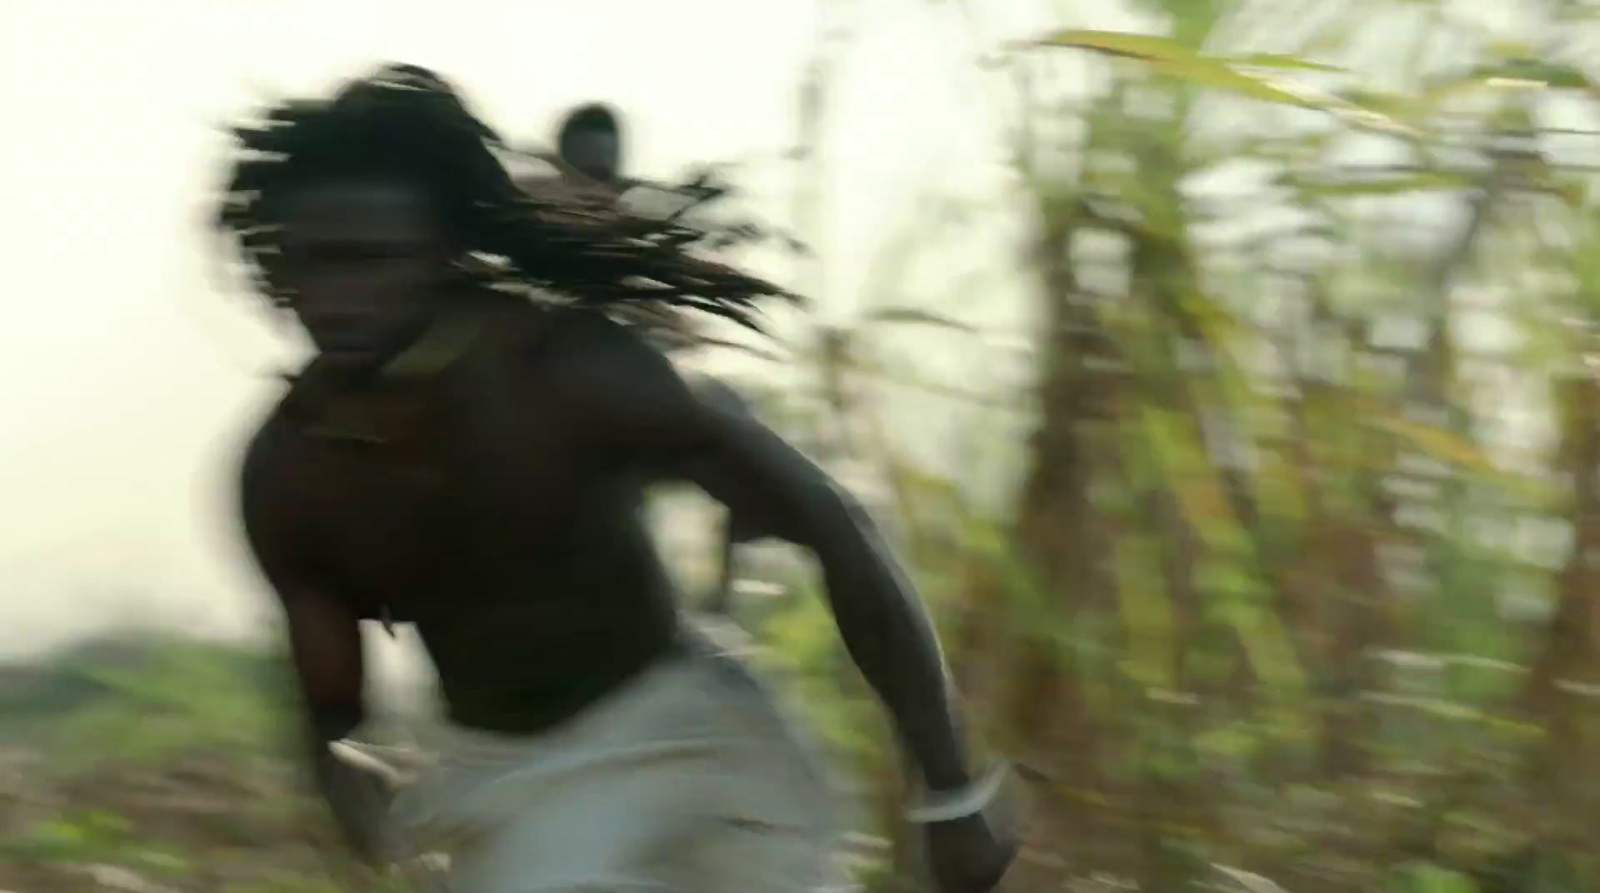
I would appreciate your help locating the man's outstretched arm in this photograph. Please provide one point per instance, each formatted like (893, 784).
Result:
(623, 397)
(881, 620)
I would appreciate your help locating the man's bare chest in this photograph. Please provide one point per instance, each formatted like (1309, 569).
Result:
(412, 496)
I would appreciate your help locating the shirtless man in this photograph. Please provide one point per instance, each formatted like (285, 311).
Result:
(472, 461)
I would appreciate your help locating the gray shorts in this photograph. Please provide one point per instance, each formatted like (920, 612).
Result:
(689, 778)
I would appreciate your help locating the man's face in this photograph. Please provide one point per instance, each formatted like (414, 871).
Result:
(365, 263)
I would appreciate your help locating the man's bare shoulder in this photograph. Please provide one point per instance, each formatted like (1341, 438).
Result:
(594, 348)
(582, 353)
(609, 386)
(579, 330)
(262, 462)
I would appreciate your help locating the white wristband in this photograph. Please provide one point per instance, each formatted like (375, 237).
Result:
(960, 803)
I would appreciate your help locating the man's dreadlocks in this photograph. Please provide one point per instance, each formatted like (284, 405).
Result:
(406, 121)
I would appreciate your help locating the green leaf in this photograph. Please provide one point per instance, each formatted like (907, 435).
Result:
(1193, 480)
(1170, 58)
(1147, 614)
(1268, 648)
(1280, 60)
(1426, 877)
(1550, 75)
(1435, 442)
(1422, 181)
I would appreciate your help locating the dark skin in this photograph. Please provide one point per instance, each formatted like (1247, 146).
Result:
(592, 146)
(496, 503)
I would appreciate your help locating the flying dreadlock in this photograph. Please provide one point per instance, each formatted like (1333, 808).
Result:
(407, 121)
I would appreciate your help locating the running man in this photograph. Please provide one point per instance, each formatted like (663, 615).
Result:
(466, 459)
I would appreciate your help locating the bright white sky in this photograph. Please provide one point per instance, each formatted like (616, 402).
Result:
(129, 376)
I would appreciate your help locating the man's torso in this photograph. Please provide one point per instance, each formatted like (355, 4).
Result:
(522, 558)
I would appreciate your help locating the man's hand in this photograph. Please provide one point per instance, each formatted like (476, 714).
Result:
(969, 855)
(360, 791)
(971, 837)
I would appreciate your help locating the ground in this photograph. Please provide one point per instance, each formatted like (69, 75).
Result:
(157, 766)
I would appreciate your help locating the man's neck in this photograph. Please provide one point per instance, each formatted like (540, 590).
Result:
(346, 399)
(434, 342)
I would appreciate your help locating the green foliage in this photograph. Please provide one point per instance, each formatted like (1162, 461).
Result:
(161, 760)
(1293, 574)
(1429, 878)
(93, 836)
(173, 697)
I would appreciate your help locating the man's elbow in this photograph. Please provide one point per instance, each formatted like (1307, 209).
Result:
(852, 511)
(839, 528)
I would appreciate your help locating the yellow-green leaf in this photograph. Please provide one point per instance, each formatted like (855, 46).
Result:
(1533, 73)
(1280, 60)
(1424, 181)
(1268, 648)
(1434, 441)
(1147, 616)
(1192, 478)
(1173, 59)
(1121, 43)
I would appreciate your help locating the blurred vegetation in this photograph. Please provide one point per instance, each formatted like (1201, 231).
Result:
(1298, 585)
(145, 764)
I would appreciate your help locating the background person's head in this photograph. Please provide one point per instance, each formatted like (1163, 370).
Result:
(590, 140)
